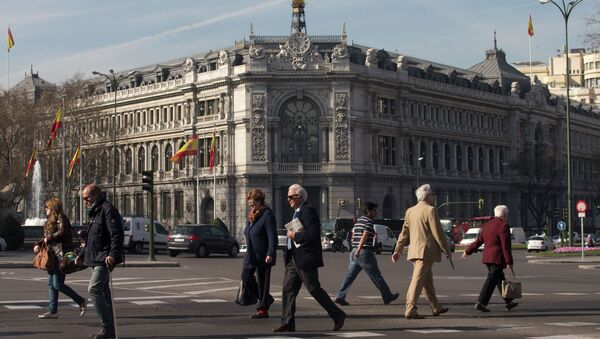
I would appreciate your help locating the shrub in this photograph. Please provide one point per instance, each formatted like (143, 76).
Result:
(12, 231)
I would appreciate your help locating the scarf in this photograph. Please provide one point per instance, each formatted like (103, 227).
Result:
(255, 214)
(97, 205)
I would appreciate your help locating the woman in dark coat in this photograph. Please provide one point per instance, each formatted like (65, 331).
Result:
(59, 239)
(261, 241)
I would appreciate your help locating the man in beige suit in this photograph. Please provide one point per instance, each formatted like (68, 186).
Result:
(423, 232)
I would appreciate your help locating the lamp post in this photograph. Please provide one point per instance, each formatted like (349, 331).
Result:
(114, 81)
(566, 9)
(419, 169)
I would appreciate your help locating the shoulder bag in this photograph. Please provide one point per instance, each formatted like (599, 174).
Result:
(44, 259)
(511, 289)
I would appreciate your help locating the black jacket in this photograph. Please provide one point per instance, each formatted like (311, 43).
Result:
(261, 239)
(310, 255)
(105, 234)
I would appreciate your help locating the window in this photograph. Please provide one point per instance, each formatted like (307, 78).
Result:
(411, 153)
(387, 150)
(141, 160)
(459, 157)
(299, 131)
(446, 156)
(128, 161)
(182, 162)
(154, 158)
(126, 204)
(178, 204)
(480, 159)
(210, 107)
(168, 156)
(385, 105)
(422, 154)
(491, 160)
(436, 156)
(166, 205)
(139, 204)
(204, 149)
(470, 159)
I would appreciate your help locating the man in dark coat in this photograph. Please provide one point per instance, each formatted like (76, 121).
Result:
(103, 250)
(497, 255)
(302, 257)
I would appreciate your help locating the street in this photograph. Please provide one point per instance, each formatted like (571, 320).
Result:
(196, 301)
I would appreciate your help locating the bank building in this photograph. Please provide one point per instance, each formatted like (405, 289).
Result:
(349, 122)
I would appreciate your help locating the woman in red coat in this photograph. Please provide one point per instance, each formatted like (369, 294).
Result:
(497, 255)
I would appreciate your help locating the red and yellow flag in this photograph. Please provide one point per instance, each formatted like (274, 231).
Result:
(31, 162)
(56, 124)
(74, 161)
(190, 148)
(211, 162)
(10, 40)
(530, 26)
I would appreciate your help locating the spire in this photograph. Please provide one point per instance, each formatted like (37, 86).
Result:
(251, 35)
(344, 35)
(298, 22)
(495, 42)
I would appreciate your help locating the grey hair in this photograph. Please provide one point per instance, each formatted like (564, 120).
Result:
(501, 211)
(300, 190)
(423, 191)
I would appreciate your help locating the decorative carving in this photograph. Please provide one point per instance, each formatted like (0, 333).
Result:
(402, 63)
(340, 52)
(342, 144)
(189, 65)
(538, 94)
(283, 53)
(224, 60)
(258, 127)
(255, 53)
(317, 58)
(515, 89)
(371, 59)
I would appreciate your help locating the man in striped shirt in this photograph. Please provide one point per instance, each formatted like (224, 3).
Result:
(362, 257)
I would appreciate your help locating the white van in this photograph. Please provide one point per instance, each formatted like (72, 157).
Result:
(517, 235)
(470, 236)
(385, 239)
(137, 237)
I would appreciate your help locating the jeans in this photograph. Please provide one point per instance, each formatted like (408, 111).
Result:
(366, 261)
(100, 295)
(56, 283)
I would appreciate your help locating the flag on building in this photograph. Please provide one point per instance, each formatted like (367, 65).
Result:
(31, 162)
(211, 162)
(10, 40)
(74, 160)
(190, 148)
(56, 124)
(530, 26)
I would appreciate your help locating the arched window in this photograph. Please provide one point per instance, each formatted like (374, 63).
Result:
(436, 156)
(388, 207)
(141, 166)
(480, 160)
(182, 162)
(154, 158)
(491, 160)
(459, 157)
(446, 156)
(299, 131)
(128, 161)
(168, 156)
(470, 159)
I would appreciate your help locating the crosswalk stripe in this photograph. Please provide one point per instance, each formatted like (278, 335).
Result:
(208, 300)
(570, 293)
(572, 324)
(355, 334)
(562, 336)
(179, 285)
(435, 330)
(148, 302)
(160, 281)
(22, 307)
(212, 290)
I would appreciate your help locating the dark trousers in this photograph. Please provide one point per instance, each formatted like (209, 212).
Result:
(293, 279)
(260, 289)
(494, 280)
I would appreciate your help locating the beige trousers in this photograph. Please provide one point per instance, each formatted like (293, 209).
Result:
(422, 279)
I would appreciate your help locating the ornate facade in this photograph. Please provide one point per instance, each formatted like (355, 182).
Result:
(346, 121)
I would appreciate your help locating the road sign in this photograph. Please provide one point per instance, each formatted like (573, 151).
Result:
(561, 225)
(581, 206)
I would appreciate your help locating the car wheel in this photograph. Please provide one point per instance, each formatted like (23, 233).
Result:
(173, 253)
(138, 247)
(233, 252)
(528, 251)
(201, 252)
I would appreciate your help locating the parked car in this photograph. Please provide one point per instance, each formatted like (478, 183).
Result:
(385, 239)
(244, 248)
(540, 243)
(202, 240)
(2, 244)
(136, 235)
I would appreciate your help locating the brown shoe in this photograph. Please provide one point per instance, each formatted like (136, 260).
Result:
(440, 311)
(414, 316)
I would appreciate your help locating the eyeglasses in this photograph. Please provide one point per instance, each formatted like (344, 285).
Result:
(290, 197)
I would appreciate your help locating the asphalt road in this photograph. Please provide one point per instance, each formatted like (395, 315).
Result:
(196, 301)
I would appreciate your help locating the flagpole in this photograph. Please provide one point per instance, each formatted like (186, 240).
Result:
(530, 71)
(214, 174)
(197, 169)
(64, 159)
(80, 183)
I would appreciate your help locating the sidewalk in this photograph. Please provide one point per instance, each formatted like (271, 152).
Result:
(588, 262)
(24, 259)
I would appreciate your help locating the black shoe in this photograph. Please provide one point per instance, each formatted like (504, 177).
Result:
(284, 328)
(510, 306)
(260, 314)
(441, 311)
(481, 308)
(103, 334)
(394, 297)
(337, 325)
(341, 302)
(270, 301)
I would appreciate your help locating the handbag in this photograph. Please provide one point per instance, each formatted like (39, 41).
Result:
(67, 263)
(244, 296)
(44, 259)
(511, 289)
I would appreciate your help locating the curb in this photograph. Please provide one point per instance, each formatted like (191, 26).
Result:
(21, 264)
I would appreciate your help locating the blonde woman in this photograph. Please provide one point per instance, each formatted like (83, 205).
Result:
(58, 238)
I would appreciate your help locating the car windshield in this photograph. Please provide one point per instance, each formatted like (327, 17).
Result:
(185, 230)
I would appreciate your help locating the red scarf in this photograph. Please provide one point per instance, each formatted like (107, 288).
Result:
(255, 214)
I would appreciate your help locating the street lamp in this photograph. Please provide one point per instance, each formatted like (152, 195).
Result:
(419, 169)
(114, 81)
(565, 10)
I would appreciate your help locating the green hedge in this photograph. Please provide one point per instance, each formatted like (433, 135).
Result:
(12, 231)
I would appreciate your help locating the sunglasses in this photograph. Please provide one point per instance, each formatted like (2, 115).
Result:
(290, 197)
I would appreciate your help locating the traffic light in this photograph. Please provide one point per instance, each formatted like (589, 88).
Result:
(147, 181)
(565, 213)
(556, 213)
(481, 202)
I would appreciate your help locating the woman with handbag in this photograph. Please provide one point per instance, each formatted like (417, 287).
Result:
(497, 255)
(261, 239)
(58, 240)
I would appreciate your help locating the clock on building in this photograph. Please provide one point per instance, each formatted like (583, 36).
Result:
(298, 43)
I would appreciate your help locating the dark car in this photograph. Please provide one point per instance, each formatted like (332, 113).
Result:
(202, 240)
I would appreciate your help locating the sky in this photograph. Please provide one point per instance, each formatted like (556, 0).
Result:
(60, 38)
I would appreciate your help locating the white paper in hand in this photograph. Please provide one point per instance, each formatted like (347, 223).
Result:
(295, 226)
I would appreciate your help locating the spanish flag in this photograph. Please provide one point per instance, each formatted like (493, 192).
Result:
(211, 162)
(190, 148)
(530, 26)
(31, 162)
(55, 126)
(74, 161)
(10, 40)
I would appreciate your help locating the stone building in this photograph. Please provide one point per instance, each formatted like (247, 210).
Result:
(349, 122)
